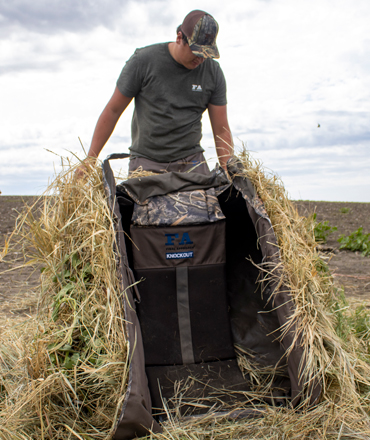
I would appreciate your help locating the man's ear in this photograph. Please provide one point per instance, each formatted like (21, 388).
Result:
(179, 37)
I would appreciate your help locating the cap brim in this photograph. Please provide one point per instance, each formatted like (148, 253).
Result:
(205, 51)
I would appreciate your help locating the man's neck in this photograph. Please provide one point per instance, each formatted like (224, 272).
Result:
(172, 50)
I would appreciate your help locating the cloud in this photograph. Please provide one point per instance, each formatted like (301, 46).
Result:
(76, 16)
(289, 66)
(33, 52)
(334, 174)
(43, 16)
(359, 60)
(44, 36)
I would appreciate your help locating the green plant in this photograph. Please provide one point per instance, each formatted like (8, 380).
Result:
(352, 322)
(357, 241)
(345, 210)
(322, 230)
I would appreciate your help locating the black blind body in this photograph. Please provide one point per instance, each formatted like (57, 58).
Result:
(187, 271)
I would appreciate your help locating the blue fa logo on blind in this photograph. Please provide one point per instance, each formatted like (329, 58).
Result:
(172, 237)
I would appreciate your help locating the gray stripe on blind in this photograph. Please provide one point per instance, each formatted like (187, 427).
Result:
(184, 315)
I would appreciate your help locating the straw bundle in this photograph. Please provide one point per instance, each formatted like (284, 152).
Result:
(308, 278)
(63, 375)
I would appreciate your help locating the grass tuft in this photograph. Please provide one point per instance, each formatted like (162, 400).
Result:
(64, 373)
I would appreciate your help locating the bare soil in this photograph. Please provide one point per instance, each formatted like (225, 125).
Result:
(351, 271)
(18, 285)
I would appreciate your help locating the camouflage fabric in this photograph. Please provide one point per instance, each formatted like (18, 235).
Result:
(202, 41)
(179, 208)
(256, 203)
(259, 207)
(249, 192)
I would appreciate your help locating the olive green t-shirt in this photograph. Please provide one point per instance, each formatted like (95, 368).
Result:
(169, 102)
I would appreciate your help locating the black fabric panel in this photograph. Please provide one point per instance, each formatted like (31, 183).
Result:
(284, 305)
(208, 384)
(280, 307)
(158, 316)
(210, 320)
(253, 321)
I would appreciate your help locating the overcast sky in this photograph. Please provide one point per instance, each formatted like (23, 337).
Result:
(298, 75)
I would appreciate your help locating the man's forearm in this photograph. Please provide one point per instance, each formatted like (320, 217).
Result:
(224, 146)
(103, 130)
(221, 133)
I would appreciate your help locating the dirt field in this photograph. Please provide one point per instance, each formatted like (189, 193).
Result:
(351, 270)
(17, 288)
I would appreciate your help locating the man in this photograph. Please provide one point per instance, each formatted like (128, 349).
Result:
(173, 84)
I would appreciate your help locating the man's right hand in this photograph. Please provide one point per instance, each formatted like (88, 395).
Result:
(85, 166)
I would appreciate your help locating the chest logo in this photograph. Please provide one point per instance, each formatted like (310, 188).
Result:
(197, 88)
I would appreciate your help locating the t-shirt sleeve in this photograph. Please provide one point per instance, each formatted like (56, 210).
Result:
(218, 96)
(130, 80)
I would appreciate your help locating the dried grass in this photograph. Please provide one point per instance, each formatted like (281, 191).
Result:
(63, 374)
(49, 394)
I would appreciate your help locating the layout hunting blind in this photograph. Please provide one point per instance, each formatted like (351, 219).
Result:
(201, 269)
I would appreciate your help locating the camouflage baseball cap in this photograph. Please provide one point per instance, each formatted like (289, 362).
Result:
(201, 30)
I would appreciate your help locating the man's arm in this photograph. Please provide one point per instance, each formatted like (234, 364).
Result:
(221, 133)
(107, 121)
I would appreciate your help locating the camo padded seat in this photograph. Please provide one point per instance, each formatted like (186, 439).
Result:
(182, 207)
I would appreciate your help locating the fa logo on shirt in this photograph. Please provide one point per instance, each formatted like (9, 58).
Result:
(197, 88)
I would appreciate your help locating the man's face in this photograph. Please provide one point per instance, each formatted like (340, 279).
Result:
(187, 58)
